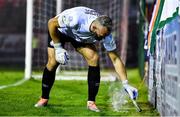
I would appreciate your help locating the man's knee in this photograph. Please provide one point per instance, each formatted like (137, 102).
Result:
(93, 60)
(52, 64)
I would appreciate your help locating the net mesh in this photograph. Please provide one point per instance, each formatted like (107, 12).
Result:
(42, 11)
(45, 9)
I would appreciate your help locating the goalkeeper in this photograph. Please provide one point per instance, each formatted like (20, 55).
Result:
(82, 27)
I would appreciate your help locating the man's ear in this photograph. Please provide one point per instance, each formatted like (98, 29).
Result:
(94, 27)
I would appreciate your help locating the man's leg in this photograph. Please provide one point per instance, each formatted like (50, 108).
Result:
(92, 58)
(93, 82)
(48, 78)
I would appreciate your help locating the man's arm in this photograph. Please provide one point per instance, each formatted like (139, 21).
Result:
(120, 69)
(118, 65)
(52, 27)
(61, 54)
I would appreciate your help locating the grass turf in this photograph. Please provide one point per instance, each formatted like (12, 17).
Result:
(68, 98)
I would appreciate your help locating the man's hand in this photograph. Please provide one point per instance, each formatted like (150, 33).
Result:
(133, 92)
(61, 54)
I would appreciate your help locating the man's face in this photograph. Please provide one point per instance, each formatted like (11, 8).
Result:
(101, 32)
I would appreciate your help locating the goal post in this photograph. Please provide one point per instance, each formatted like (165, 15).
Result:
(58, 10)
(28, 51)
(58, 6)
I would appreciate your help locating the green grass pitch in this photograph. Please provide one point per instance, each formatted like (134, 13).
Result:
(68, 98)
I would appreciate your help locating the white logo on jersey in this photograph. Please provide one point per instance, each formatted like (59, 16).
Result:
(65, 20)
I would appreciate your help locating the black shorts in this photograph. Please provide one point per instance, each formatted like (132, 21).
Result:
(64, 38)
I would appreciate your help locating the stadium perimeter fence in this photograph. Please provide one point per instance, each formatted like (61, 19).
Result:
(164, 70)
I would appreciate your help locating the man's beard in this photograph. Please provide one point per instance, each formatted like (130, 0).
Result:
(98, 38)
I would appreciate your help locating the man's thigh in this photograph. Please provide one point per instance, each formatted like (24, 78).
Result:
(51, 53)
(90, 54)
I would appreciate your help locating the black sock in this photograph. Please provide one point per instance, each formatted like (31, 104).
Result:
(93, 82)
(47, 82)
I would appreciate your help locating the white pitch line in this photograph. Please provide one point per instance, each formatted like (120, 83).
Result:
(64, 77)
(110, 77)
(12, 85)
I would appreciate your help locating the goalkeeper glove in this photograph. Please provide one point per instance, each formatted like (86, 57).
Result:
(61, 54)
(133, 92)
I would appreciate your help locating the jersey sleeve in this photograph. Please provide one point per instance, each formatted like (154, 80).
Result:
(67, 19)
(109, 43)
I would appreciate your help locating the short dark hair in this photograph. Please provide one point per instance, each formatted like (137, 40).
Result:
(105, 21)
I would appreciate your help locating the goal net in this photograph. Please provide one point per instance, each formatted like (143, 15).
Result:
(45, 9)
